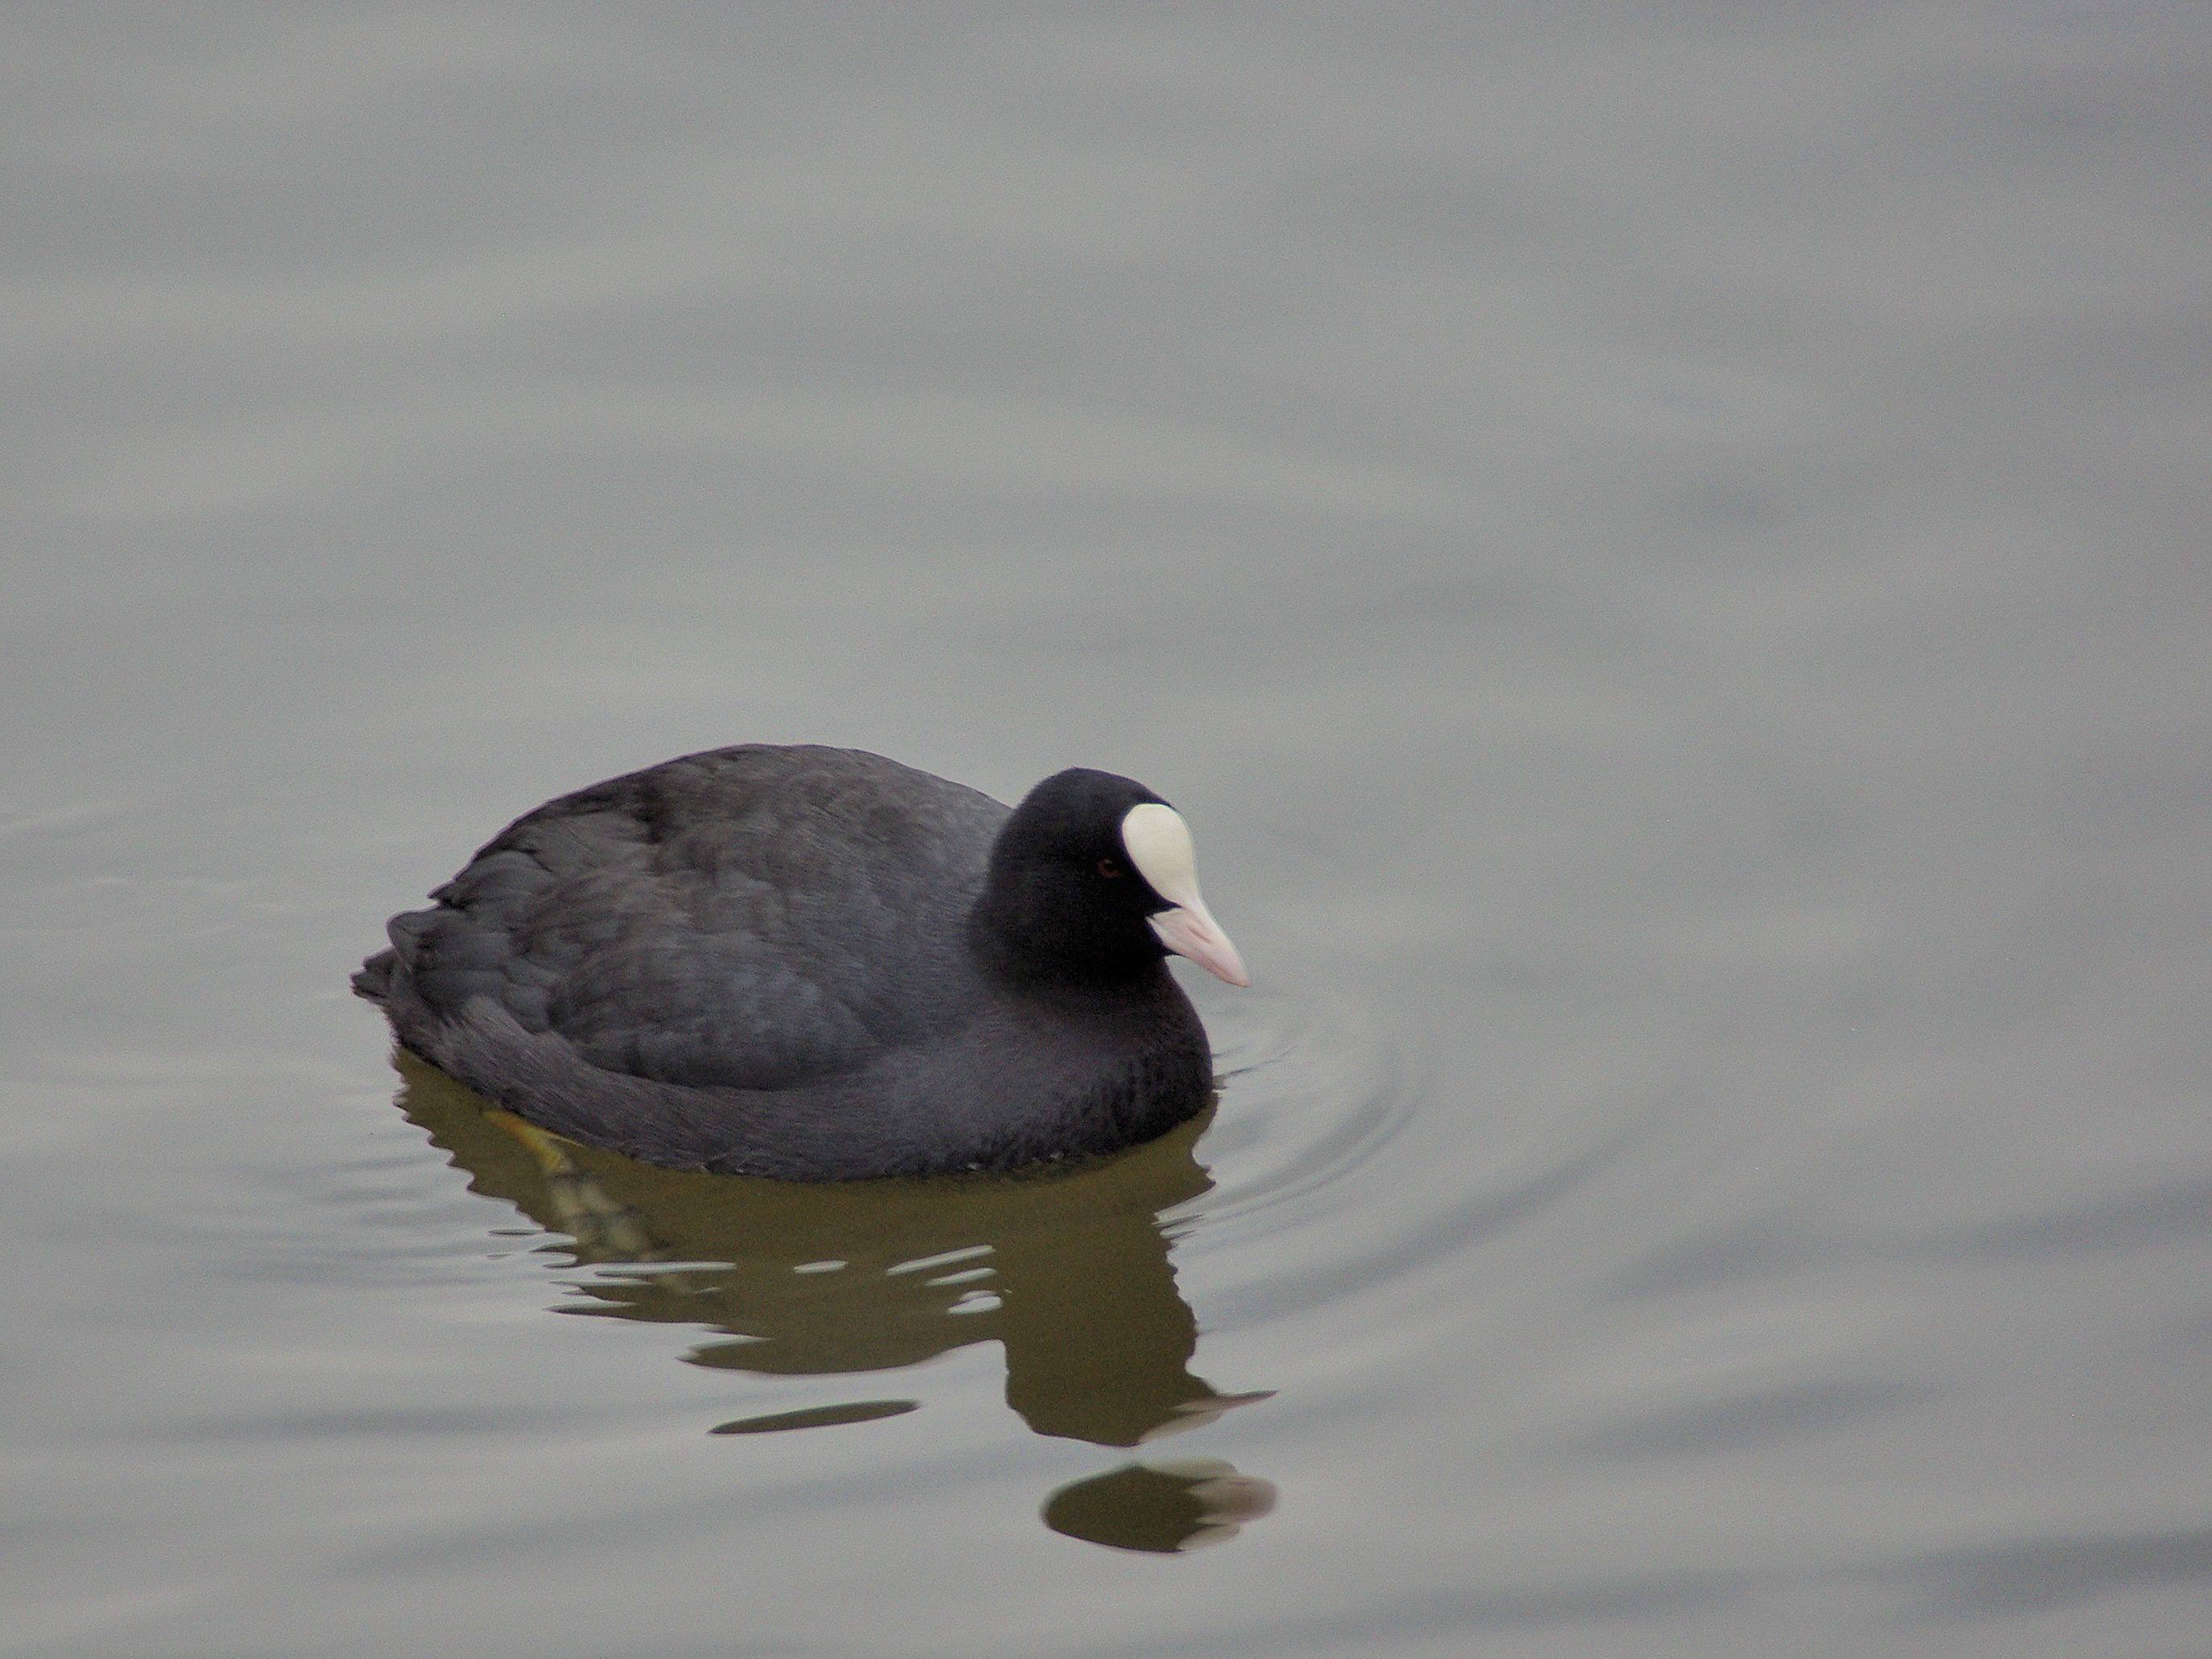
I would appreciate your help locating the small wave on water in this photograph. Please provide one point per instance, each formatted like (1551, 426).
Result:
(1324, 1186)
(1310, 1092)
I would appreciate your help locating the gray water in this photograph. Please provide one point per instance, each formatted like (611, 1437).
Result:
(1663, 554)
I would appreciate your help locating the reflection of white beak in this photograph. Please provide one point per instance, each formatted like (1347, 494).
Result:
(1188, 931)
(1159, 843)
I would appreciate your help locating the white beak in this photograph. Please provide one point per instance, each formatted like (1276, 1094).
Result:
(1159, 843)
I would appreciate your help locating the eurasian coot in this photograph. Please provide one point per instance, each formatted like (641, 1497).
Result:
(818, 965)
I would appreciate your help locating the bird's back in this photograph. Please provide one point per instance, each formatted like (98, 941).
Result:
(756, 917)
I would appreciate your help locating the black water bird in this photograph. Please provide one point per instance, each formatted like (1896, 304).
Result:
(819, 964)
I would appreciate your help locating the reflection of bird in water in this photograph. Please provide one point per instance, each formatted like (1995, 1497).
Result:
(1067, 1270)
(1161, 1508)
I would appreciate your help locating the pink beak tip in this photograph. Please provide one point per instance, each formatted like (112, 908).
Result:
(1196, 935)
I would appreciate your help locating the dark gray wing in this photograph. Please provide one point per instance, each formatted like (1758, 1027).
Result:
(751, 917)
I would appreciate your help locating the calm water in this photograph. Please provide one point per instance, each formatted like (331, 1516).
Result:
(1665, 558)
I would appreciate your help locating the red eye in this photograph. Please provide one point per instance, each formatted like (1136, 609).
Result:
(1110, 869)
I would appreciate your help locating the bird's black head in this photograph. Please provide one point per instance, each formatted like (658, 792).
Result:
(1092, 877)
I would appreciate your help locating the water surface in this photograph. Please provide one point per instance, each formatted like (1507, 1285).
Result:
(1663, 557)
